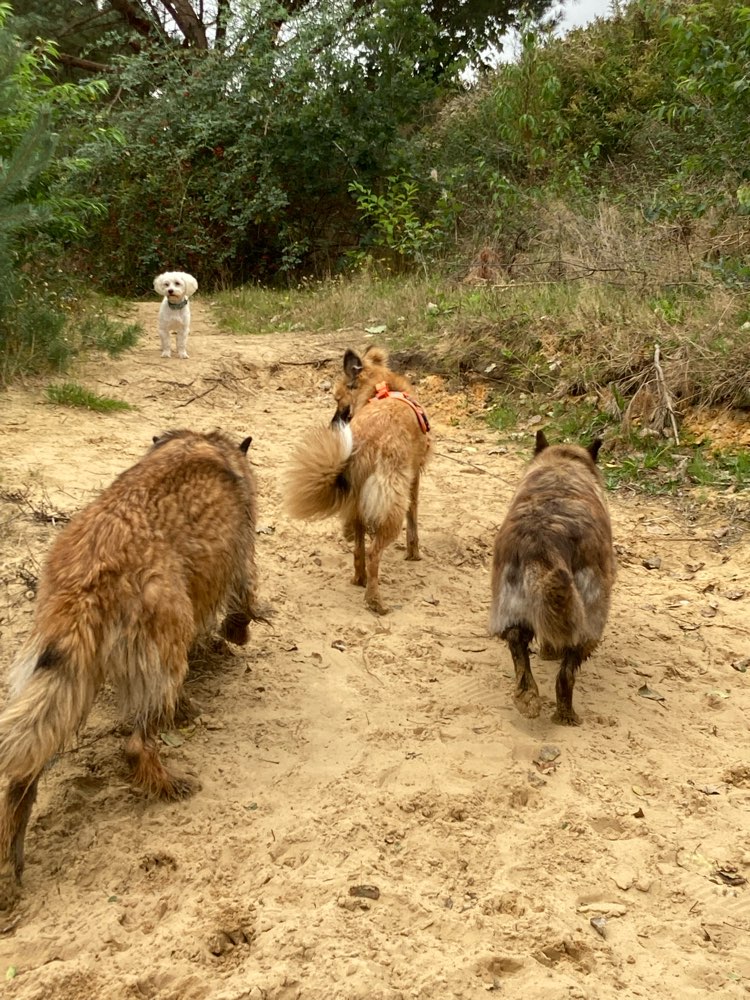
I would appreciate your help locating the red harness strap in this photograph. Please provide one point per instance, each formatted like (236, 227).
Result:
(383, 392)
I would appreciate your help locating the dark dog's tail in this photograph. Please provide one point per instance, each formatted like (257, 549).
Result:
(556, 609)
(316, 483)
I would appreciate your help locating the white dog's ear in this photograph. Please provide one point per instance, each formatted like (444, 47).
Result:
(191, 285)
(159, 287)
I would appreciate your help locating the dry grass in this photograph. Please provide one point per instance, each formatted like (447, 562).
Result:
(581, 306)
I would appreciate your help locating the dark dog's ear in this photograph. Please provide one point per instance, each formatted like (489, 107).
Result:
(245, 445)
(352, 364)
(155, 439)
(593, 448)
(541, 442)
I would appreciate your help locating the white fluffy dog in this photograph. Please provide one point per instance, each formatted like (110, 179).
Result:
(174, 312)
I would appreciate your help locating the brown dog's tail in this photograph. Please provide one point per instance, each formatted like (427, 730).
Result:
(50, 701)
(316, 483)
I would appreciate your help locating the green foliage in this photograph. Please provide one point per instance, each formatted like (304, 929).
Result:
(395, 219)
(32, 323)
(73, 394)
(98, 332)
(237, 165)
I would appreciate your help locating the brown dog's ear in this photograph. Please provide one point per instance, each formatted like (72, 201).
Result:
(541, 442)
(352, 365)
(245, 445)
(593, 448)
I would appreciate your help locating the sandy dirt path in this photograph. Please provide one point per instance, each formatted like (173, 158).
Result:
(339, 749)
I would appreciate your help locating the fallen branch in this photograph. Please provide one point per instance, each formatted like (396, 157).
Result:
(200, 395)
(664, 393)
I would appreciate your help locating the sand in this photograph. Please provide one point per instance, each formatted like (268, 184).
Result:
(376, 820)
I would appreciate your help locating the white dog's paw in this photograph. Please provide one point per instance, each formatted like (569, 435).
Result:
(183, 354)
(166, 354)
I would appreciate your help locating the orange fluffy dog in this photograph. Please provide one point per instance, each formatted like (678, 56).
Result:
(366, 466)
(553, 569)
(126, 589)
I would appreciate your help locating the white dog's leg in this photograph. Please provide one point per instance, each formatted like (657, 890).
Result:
(166, 351)
(182, 335)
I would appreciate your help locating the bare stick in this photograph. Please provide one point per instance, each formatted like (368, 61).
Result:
(665, 394)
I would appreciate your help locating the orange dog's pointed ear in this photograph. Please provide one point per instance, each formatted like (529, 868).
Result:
(376, 355)
(245, 445)
(352, 364)
(541, 442)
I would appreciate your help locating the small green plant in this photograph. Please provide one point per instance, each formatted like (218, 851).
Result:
(73, 394)
(103, 334)
(395, 219)
(502, 416)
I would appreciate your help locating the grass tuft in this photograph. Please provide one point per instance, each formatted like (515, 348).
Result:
(73, 394)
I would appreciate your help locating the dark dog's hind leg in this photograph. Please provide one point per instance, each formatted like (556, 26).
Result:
(564, 685)
(526, 694)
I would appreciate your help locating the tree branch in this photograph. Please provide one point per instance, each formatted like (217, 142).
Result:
(88, 64)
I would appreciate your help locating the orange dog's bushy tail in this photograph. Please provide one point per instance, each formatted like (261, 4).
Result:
(316, 483)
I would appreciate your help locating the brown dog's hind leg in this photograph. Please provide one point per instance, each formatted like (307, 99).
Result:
(526, 695)
(412, 534)
(564, 685)
(19, 801)
(149, 772)
(164, 680)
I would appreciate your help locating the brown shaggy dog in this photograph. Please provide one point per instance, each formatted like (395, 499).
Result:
(553, 569)
(127, 587)
(366, 466)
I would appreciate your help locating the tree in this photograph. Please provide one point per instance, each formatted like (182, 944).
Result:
(465, 30)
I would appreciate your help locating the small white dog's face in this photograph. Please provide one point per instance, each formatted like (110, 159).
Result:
(175, 285)
(174, 312)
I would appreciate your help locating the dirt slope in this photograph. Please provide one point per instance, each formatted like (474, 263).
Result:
(341, 750)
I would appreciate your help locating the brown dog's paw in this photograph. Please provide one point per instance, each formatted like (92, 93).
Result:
(10, 890)
(234, 629)
(178, 786)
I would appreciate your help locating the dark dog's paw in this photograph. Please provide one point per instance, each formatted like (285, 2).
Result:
(528, 703)
(566, 717)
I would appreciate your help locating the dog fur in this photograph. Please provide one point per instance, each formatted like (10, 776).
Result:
(176, 287)
(128, 586)
(553, 570)
(366, 467)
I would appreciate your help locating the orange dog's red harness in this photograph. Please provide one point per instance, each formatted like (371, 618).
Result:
(383, 392)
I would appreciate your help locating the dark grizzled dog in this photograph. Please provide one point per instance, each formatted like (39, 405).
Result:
(553, 569)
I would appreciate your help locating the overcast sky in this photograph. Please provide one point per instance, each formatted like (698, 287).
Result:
(578, 12)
